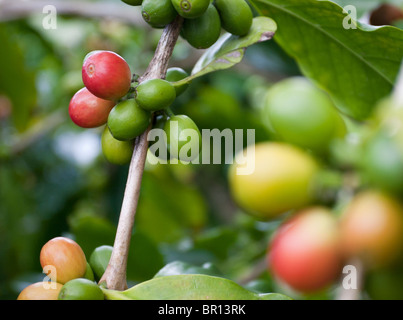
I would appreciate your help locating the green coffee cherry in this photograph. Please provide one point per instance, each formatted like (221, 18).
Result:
(81, 289)
(177, 74)
(191, 9)
(203, 32)
(127, 120)
(236, 16)
(184, 140)
(116, 151)
(133, 2)
(159, 147)
(155, 94)
(297, 112)
(99, 260)
(158, 13)
(89, 274)
(382, 171)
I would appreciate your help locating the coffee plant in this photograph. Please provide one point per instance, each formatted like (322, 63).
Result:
(244, 150)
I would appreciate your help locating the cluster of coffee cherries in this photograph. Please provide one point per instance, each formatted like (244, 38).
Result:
(69, 275)
(203, 19)
(112, 97)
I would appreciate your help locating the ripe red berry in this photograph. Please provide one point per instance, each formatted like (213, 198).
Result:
(89, 111)
(38, 291)
(66, 257)
(372, 229)
(106, 75)
(305, 252)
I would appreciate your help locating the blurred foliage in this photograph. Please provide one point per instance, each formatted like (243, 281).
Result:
(60, 184)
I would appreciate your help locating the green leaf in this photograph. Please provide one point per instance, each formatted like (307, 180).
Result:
(229, 50)
(189, 287)
(177, 206)
(218, 241)
(145, 258)
(357, 67)
(179, 267)
(91, 232)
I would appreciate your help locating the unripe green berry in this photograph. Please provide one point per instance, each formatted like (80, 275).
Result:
(204, 31)
(116, 151)
(127, 120)
(133, 2)
(81, 289)
(191, 9)
(181, 131)
(155, 94)
(236, 16)
(99, 260)
(177, 74)
(158, 13)
(89, 274)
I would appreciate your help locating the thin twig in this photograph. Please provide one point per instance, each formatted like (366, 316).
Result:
(115, 274)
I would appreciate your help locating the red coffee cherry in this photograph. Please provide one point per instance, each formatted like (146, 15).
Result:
(38, 291)
(106, 75)
(89, 111)
(372, 229)
(66, 257)
(305, 252)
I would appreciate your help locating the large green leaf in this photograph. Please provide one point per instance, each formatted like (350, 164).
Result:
(357, 67)
(229, 50)
(180, 267)
(189, 287)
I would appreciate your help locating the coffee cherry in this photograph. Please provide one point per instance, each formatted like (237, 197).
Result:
(159, 13)
(133, 2)
(204, 31)
(184, 140)
(236, 16)
(177, 74)
(116, 151)
(81, 289)
(155, 94)
(299, 113)
(66, 256)
(89, 111)
(305, 251)
(372, 229)
(89, 274)
(158, 147)
(99, 260)
(38, 291)
(279, 179)
(383, 171)
(106, 75)
(191, 9)
(127, 120)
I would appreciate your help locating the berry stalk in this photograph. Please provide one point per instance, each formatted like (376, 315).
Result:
(115, 274)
